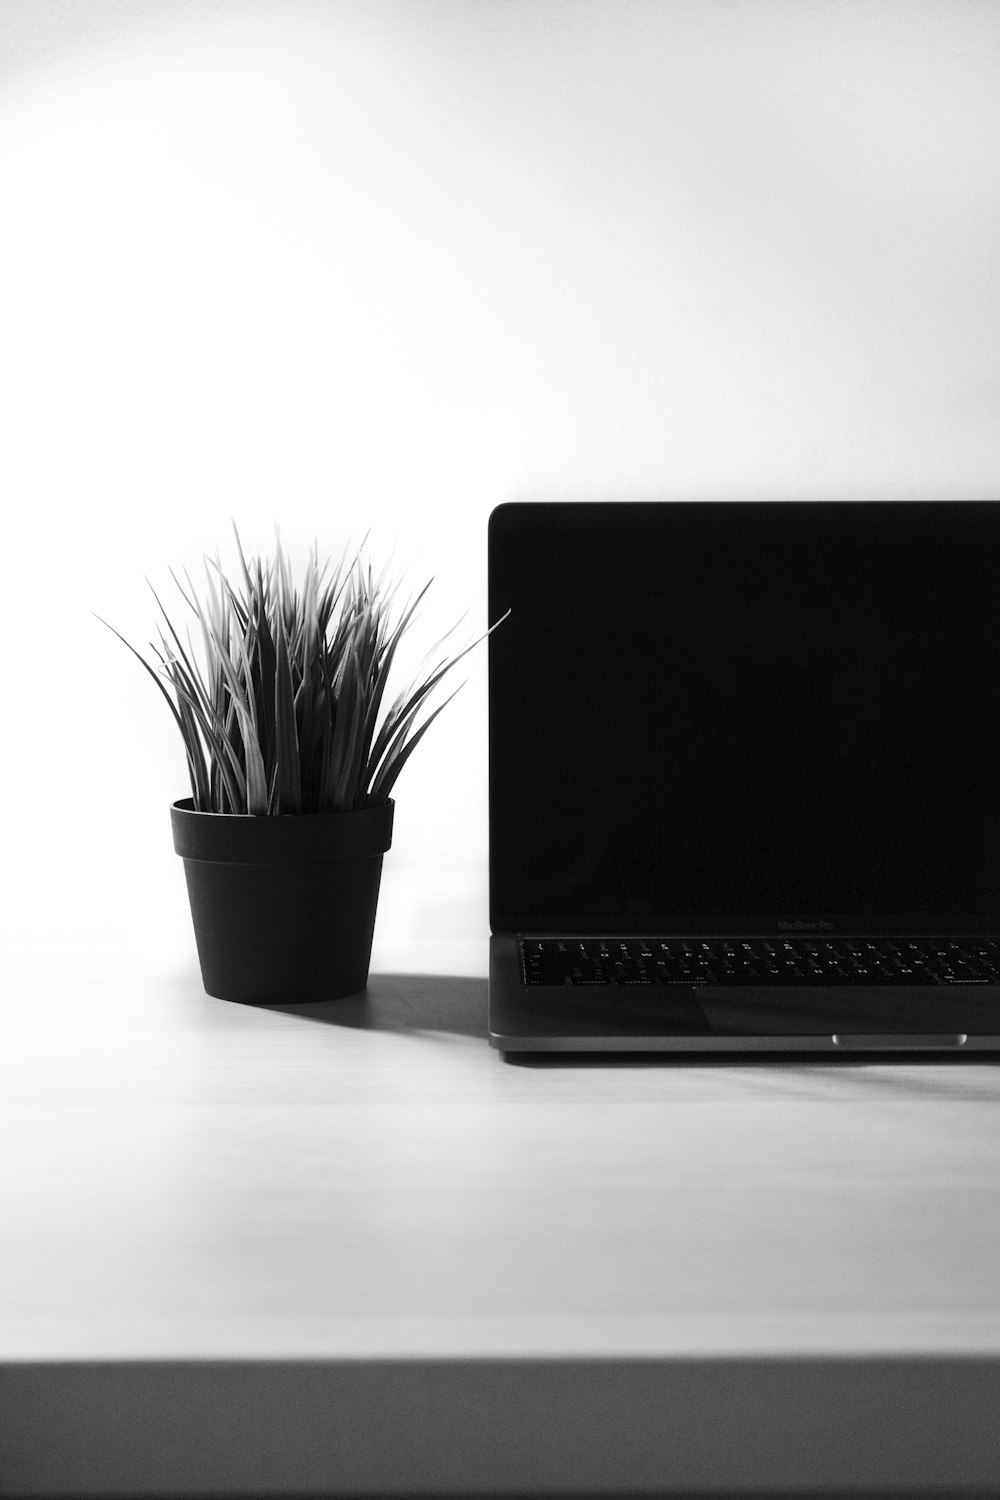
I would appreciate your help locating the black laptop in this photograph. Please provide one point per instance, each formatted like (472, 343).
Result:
(745, 777)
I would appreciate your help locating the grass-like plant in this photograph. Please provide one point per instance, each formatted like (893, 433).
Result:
(286, 712)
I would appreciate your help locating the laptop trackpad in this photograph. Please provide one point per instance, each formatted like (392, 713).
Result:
(901, 1042)
(939, 1014)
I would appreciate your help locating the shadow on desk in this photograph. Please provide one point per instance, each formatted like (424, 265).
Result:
(405, 1002)
(457, 1006)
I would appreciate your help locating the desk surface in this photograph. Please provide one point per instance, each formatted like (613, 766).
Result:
(348, 1247)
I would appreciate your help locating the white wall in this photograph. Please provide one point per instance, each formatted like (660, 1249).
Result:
(385, 264)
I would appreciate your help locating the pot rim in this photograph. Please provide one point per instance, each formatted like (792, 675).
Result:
(288, 838)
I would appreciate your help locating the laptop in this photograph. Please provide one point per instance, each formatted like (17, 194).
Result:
(745, 777)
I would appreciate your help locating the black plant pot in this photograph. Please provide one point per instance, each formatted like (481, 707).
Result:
(283, 908)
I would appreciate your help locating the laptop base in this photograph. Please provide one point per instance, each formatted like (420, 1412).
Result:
(855, 1020)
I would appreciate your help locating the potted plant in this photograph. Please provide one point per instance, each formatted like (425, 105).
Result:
(292, 751)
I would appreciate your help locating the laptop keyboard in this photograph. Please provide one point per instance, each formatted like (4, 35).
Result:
(635, 961)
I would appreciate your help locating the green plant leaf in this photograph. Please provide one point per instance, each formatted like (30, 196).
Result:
(393, 764)
(180, 722)
(283, 708)
(226, 749)
(286, 762)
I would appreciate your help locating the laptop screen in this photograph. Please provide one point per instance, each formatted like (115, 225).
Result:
(745, 717)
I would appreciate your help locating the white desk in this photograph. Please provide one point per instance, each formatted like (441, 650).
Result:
(349, 1250)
